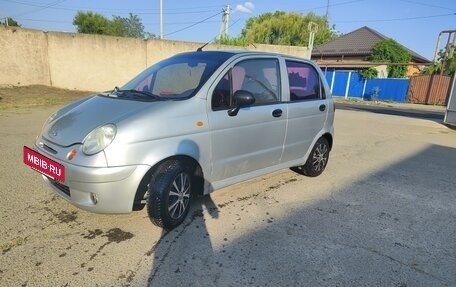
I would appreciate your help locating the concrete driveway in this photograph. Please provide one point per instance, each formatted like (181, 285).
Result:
(382, 214)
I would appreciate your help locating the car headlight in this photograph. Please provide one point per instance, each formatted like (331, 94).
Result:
(99, 139)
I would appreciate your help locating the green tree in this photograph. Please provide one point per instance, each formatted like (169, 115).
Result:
(390, 51)
(132, 26)
(236, 41)
(11, 22)
(94, 23)
(116, 27)
(370, 73)
(281, 28)
(447, 59)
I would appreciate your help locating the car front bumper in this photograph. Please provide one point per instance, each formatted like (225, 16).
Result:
(103, 190)
(99, 189)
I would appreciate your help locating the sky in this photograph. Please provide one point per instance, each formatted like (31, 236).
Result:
(415, 24)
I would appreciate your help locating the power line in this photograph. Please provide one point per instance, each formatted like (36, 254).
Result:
(237, 20)
(426, 4)
(199, 22)
(394, 19)
(171, 13)
(187, 10)
(331, 5)
(178, 23)
(215, 38)
(46, 21)
(145, 23)
(40, 7)
(32, 4)
(139, 11)
(344, 3)
(144, 9)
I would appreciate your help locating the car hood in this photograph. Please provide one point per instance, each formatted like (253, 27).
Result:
(73, 123)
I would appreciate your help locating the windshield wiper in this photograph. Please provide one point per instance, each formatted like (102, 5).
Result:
(132, 91)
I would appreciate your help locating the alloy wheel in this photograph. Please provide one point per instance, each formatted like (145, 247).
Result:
(179, 195)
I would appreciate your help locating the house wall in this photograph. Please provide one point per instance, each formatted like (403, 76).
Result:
(357, 63)
(413, 70)
(91, 62)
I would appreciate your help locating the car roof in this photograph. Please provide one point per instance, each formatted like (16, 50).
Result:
(228, 53)
(225, 54)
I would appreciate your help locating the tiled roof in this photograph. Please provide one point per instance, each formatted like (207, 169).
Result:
(356, 43)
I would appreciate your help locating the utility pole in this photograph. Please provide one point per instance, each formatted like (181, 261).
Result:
(161, 19)
(448, 48)
(313, 27)
(225, 23)
(327, 11)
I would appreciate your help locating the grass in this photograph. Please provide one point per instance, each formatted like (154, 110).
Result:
(390, 102)
(352, 100)
(36, 96)
(348, 100)
(361, 101)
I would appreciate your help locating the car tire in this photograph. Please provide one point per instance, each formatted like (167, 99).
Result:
(317, 160)
(169, 195)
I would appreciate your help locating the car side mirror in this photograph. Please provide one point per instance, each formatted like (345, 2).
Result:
(241, 99)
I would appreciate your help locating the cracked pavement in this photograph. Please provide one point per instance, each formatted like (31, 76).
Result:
(382, 214)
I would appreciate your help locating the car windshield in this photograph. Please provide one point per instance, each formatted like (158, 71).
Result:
(178, 77)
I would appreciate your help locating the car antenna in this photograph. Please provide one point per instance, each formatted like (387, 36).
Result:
(200, 49)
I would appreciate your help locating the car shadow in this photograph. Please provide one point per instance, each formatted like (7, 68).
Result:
(392, 226)
(181, 242)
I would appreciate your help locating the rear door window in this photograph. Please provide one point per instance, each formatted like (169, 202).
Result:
(305, 84)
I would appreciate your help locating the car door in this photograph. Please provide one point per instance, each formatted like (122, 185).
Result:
(252, 139)
(307, 109)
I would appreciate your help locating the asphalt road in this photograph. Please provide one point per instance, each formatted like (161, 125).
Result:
(382, 214)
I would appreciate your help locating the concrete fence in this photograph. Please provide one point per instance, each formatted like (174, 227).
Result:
(90, 62)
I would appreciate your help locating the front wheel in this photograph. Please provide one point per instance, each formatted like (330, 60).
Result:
(317, 160)
(169, 197)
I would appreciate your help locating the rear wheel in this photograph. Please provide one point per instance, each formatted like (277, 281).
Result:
(317, 160)
(169, 195)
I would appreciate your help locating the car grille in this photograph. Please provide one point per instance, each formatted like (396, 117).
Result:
(49, 149)
(63, 188)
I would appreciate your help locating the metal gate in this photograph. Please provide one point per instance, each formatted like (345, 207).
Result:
(351, 84)
(429, 90)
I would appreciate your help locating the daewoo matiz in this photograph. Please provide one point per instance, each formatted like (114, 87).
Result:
(188, 125)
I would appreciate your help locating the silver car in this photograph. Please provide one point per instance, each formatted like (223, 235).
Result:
(188, 125)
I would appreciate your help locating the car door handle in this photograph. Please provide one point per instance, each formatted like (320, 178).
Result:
(277, 113)
(322, 108)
